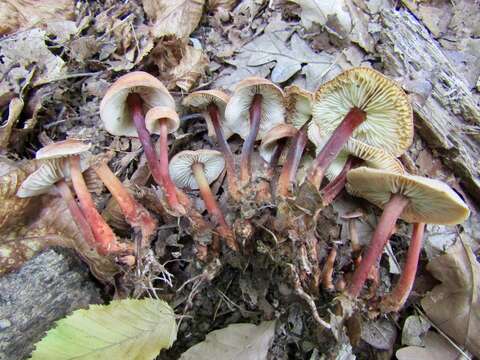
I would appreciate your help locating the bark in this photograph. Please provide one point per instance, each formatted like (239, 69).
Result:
(449, 117)
(46, 288)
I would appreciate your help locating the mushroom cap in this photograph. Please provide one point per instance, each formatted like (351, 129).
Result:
(237, 112)
(298, 104)
(201, 99)
(62, 149)
(389, 117)
(272, 137)
(180, 166)
(430, 201)
(114, 111)
(161, 112)
(44, 178)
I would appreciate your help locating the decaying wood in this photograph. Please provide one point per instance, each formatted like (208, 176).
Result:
(47, 287)
(448, 117)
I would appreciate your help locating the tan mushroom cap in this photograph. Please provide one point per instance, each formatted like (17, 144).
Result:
(298, 104)
(389, 117)
(42, 180)
(114, 112)
(62, 148)
(238, 108)
(272, 137)
(200, 100)
(181, 166)
(161, 112)
(430, 201)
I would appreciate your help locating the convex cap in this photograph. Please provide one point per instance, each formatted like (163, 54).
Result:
(161, 113)
(430, 201)
(114, 111)
(298, 105)
(237, 111)
(200, 100)
(389, 117)
(272, 138)
(181, 167)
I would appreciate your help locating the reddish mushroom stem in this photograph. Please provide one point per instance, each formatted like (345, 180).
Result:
(247, 149)
(335, 187)
(335, 144)
(294, 156)
(391, 213)
(397, 298)
(212, 205)
(226, 151)
(135, 214)
(277, 153)
(159, 168)
(76, 213)
(104, 236)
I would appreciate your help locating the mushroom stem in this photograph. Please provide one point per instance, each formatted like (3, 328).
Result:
(292, 162)
(247, 149)
(335, 187)
(277, 153)
(76, 213)
(391, 213)
(104, 236)
(327, 274)
(135, 214)
(212, 205)
(397, 298)
(159, 168)
(333, 146)
(226, 151)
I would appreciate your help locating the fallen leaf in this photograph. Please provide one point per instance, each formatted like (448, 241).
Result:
(236, 341)
(436, 347)
(413, 330)
(130, 328)
(214, 5)
(173, 17)
(14, 109)
(454, 305)
(16, 15)
(381, 334)
(191, 68)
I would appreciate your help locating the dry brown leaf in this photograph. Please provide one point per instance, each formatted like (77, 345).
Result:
(436, 347)
(190, 69)
(20, 14)
(454, 305)
(14, 109)
(173, 17)
(214, 5)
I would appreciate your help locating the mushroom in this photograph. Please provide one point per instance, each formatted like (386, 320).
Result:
(416, 200)
(51, 174)
(123, 111)
(352, 154)
(70, 150)
(197, 170)
(212, 103)
(274, 142)
(363, 104)
(135, 214)
(261, 102)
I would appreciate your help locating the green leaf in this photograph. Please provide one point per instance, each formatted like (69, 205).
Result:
(124, 329)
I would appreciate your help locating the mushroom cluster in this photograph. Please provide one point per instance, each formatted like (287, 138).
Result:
(355, 126)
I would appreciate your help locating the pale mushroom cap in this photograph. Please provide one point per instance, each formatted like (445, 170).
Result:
(161, 112)
(114, 112)
(61, 149)
(181, 167)
(298, 105)
(200, 100)
(272, 137)
(430, 201)
(389, 117)
(237, 111)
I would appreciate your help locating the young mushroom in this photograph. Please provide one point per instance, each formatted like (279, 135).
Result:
(363, 104)
(260, 101)
(416, 200)
(197, 170)
(212, 103)
(298, 104)
(70, 150)
(123, 110)
(274, 143)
